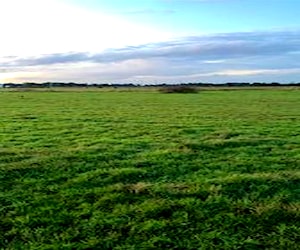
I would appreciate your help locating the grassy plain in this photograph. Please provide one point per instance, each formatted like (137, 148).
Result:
(145, 170)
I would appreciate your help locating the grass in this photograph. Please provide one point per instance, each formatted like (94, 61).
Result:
(145, 170)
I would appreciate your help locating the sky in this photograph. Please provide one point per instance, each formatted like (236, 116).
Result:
(149, 41)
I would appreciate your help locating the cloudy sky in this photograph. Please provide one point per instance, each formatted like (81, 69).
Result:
(149, 41)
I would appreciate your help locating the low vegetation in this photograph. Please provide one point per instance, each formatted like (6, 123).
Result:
(184, 89)
(129, 170)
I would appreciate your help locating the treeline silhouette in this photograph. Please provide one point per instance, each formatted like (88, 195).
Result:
(128, 85)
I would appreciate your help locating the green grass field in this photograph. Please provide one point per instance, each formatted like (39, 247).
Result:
(145, 170)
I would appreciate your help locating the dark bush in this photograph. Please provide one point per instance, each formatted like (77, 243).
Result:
(178, 89)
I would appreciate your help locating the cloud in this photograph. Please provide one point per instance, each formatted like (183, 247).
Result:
(246, 55)
(213, 61)
(257, 72)
(210, 49)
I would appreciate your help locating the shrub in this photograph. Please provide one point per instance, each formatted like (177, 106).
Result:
(178, 89)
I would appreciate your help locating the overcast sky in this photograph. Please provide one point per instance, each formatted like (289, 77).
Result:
(149, 41)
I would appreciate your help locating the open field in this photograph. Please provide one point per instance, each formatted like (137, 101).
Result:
(145, 170)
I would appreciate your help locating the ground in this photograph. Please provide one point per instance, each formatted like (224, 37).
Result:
(147, 170)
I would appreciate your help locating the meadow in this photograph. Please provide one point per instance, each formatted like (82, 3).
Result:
(147, 170)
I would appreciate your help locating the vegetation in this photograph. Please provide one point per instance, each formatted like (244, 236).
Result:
(128, 170)
(163, 86)
(179, 89)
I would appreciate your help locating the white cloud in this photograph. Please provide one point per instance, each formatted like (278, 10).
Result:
(81, 72)
(252, 56)
(213, 61)
(257, 72)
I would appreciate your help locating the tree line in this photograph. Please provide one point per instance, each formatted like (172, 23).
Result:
(127, 85)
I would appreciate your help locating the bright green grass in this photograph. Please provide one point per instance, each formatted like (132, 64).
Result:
(95, 170)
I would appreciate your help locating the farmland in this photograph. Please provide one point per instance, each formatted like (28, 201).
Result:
(146, 170)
